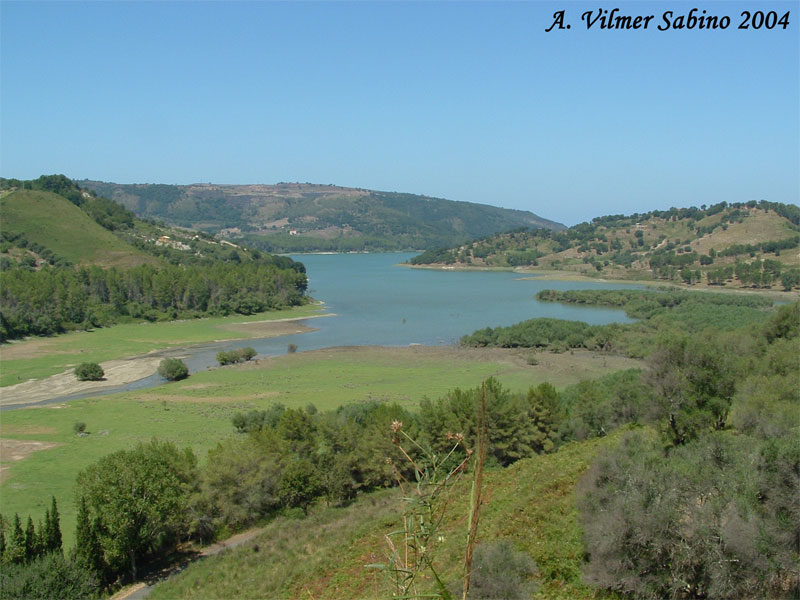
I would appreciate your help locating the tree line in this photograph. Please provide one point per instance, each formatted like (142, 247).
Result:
(53, 300)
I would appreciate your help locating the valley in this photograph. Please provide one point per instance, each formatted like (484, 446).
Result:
(354, 355)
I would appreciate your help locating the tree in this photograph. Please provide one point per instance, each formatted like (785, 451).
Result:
(693, 379)
(52, 533)
(88, 552)
(15, 553)
(300, 484)
(89, 372)
(31, 545)
(139, 498)
(173, 369)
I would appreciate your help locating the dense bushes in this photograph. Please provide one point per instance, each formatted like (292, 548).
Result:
(703, 510)
(50, 576)
(535, 333)
(236, 356)
(173, 369)
(716, 518)
(89, 372)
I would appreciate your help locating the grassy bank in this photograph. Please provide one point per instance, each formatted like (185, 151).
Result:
(532, 503)
(197, 412)
(41, 357)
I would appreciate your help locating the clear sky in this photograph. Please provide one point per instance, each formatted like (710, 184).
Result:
(463, 100)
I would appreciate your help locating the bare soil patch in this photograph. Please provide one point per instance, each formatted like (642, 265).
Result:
(12, 451)
(117, 372)
(267, 329)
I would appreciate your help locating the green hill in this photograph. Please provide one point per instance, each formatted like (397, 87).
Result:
(300, 216)
(55, 223)
(748, 245)
(72, 260)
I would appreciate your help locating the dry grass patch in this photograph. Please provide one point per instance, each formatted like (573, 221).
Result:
(12, 451)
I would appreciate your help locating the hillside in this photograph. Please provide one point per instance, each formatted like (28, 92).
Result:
(55, 223)
(300, 216)
(531, 503)
(72, 260)
(748, 245)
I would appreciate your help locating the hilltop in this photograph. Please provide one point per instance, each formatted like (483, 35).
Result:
(291, 217)
(752, 244)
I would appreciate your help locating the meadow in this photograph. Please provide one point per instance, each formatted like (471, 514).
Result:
(197, 412)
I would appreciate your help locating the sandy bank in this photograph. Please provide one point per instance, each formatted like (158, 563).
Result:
(117, 372)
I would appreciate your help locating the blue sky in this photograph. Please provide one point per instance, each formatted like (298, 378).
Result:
(463, 100)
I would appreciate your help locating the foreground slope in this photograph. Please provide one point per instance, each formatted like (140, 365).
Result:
(531, 503)
(296, 216)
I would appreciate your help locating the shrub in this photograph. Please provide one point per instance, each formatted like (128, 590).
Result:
(500, 571)
(291, 348)
(173, 369)
(89, 372)
(236, 356)
(79, 427)
(51, 576)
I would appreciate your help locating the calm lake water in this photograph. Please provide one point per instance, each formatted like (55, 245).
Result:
(379, 302)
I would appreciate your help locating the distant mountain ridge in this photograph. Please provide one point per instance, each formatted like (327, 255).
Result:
(302, 216)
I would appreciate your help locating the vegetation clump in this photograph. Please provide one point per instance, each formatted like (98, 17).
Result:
(236, 356)
(173, 369)
(89, 372)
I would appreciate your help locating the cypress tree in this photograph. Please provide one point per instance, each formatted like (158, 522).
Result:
(16, 550)
(30, 541)
(41, 540)
(44, 532)
(88, 552)
(54, 531)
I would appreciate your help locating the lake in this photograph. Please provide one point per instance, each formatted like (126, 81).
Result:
(377, 301)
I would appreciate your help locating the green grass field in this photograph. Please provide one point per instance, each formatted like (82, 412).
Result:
(531, 503)
(41, 357)
(55, 223)
(197, 412)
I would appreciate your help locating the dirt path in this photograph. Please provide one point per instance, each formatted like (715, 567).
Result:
(140, 590)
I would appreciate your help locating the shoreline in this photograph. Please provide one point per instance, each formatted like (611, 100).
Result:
(527, 274)
(127, 370)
